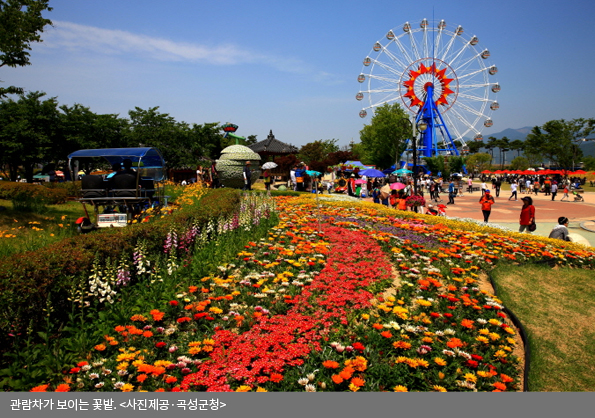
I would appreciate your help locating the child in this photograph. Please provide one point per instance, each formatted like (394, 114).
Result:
(565, 197)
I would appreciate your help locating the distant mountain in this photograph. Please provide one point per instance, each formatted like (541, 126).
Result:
(512, 134)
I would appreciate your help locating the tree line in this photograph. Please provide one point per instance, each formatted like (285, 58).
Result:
(557, 142)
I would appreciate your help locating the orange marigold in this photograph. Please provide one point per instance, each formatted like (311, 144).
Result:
(402, 344)
(499, 385)
(454, 343)
(138, 318)
(41, 388)
(141, 378)
(356, 381)
(467, 323)
(386, 334)
(330, 364)
(63, 388)
(100, 347)
(337, 379)
(147, 334)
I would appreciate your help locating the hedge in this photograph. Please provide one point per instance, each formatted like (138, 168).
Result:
(27, 280)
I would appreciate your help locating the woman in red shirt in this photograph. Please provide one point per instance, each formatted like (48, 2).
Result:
(527, 214)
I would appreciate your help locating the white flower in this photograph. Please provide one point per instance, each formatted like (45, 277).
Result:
(311, 377)
(99, 385)
(310, 388)
(94, 376)
(303, 381)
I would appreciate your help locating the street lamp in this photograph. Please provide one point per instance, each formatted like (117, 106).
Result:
(421, 128)
(574, 150)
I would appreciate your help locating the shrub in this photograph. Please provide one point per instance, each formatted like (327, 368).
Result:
(31, 281)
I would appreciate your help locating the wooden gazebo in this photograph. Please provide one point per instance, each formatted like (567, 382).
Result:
(270, 148)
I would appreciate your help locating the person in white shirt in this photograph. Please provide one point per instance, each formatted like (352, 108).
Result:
(484, 187)
(293, 180)
(513, 188)
(554, 190)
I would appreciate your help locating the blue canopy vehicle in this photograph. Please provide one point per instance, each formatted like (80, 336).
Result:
(134, 185)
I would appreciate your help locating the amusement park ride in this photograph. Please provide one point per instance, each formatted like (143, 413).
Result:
(440, 77)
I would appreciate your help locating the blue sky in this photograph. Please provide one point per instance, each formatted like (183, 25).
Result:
(292, 67)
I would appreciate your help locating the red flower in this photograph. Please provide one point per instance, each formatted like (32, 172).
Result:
(160, 344)
(358, 346)
(173, 302)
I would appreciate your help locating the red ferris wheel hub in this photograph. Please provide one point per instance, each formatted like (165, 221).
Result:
(424, 72)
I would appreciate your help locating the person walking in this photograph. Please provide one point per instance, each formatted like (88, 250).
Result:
(487, 200)
(293, 178)
(470, 185)
(527, 214)
(565, 197)
(268, 179)
(498, 185)
(554, 190)
(484, 187)
(247, 177)
(513, 190)
(536, 187)
(451, 193)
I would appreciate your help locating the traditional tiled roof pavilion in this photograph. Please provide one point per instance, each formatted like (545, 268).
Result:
(272, 146)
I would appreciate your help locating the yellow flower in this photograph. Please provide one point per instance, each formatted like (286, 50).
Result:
(127, 388)
(470, 377)
(483, 340)
(400, 388)
(494, 337)
(259, 389)
(123, 366)
(244, 388)
(484, 331)
(365, 316)
(126, 357)
(353, 388)
(439, 361)
(438, 388)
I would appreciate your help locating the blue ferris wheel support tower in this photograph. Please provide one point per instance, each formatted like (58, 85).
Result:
(436, 139)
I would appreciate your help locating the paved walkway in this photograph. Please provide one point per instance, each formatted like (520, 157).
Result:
(506, 212)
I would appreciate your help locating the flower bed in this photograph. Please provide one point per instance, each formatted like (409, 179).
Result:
(337, 297)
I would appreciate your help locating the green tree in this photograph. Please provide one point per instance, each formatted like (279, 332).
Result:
(179, 144)
(384, 140)
(474, 146)
(518, 146)
(559, 140)
(504, 146)
(519, 163)
(21, 23)
(209, 139)
(317, 150)
(28, 131)
(589, 162)
(491, 145)
(80, 128)
(478, 162)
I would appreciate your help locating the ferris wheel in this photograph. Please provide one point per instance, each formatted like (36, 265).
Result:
(438, 75)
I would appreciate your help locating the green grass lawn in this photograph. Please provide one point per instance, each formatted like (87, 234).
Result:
(21, 231)
(557, 310)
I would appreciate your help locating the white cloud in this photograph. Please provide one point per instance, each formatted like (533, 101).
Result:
(81, 39)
